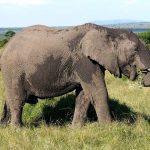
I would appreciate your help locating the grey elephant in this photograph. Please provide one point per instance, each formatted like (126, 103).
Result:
(42, 62)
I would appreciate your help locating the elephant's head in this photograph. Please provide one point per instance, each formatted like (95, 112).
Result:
(118, 51)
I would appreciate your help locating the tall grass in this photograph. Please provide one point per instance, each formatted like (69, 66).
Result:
(47, 125)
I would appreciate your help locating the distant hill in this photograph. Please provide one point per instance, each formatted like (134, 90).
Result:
(117, 21)
(127, 24)
(138, 25)
(134, 25)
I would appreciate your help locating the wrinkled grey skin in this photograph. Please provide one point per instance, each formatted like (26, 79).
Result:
(120, 52)
(42, 62)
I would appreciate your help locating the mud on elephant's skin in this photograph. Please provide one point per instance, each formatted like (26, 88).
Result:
(46, 62)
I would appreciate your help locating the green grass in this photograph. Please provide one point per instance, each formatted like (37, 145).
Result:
(48, 123)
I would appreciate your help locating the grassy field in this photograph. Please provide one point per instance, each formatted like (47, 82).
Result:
(48, 123)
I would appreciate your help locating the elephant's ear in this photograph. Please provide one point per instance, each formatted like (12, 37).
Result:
(98, 46)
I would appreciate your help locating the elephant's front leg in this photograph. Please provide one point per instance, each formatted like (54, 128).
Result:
(99, 97)
(95, 91)
(81, 107)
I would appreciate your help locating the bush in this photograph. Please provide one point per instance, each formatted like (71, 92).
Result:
(7, 36)
(148, 46)
(3, 42)
(145, 36)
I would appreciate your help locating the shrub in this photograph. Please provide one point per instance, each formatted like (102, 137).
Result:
(148, 45)
(3, 42)
(145, 36)
(7, 36)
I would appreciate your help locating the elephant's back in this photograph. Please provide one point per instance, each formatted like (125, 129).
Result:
(39, 42)
(34, 39)
(40, 39)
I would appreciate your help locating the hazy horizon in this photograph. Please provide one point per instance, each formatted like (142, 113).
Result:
(100, 22)
(22, 13)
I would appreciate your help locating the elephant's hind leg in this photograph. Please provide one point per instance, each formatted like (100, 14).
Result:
(81, 106)
(6, 116)
(16, 99)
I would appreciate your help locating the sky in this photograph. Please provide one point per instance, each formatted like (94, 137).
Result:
(21, 13)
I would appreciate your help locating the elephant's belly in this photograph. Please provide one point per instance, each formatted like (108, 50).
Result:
(49, 91)
(52, 77)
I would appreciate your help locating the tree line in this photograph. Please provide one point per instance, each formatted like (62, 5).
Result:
(7, 36)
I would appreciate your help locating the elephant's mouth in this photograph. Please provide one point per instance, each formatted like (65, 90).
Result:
(146, 77)
(129, 71)
(142, 75)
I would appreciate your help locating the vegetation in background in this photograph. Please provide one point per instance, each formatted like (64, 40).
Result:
(6, 38)
(3, 42)
(145, 36)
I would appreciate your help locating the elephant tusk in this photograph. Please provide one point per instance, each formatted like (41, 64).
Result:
(144, 71)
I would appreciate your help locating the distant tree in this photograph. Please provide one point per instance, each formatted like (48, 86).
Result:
(9, 34)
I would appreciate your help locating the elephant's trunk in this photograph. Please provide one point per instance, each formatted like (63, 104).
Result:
(146, 80)
(133, 73)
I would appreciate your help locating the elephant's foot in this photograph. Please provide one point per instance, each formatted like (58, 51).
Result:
(107, 119)
(5, 118)
(79, 118)
(16, 120)
(102, 111)
(81, 108)
(78, 122)
(16, 124)
(16, 115)
(4, 121)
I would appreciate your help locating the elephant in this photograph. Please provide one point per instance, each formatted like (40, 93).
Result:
(43, 62)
